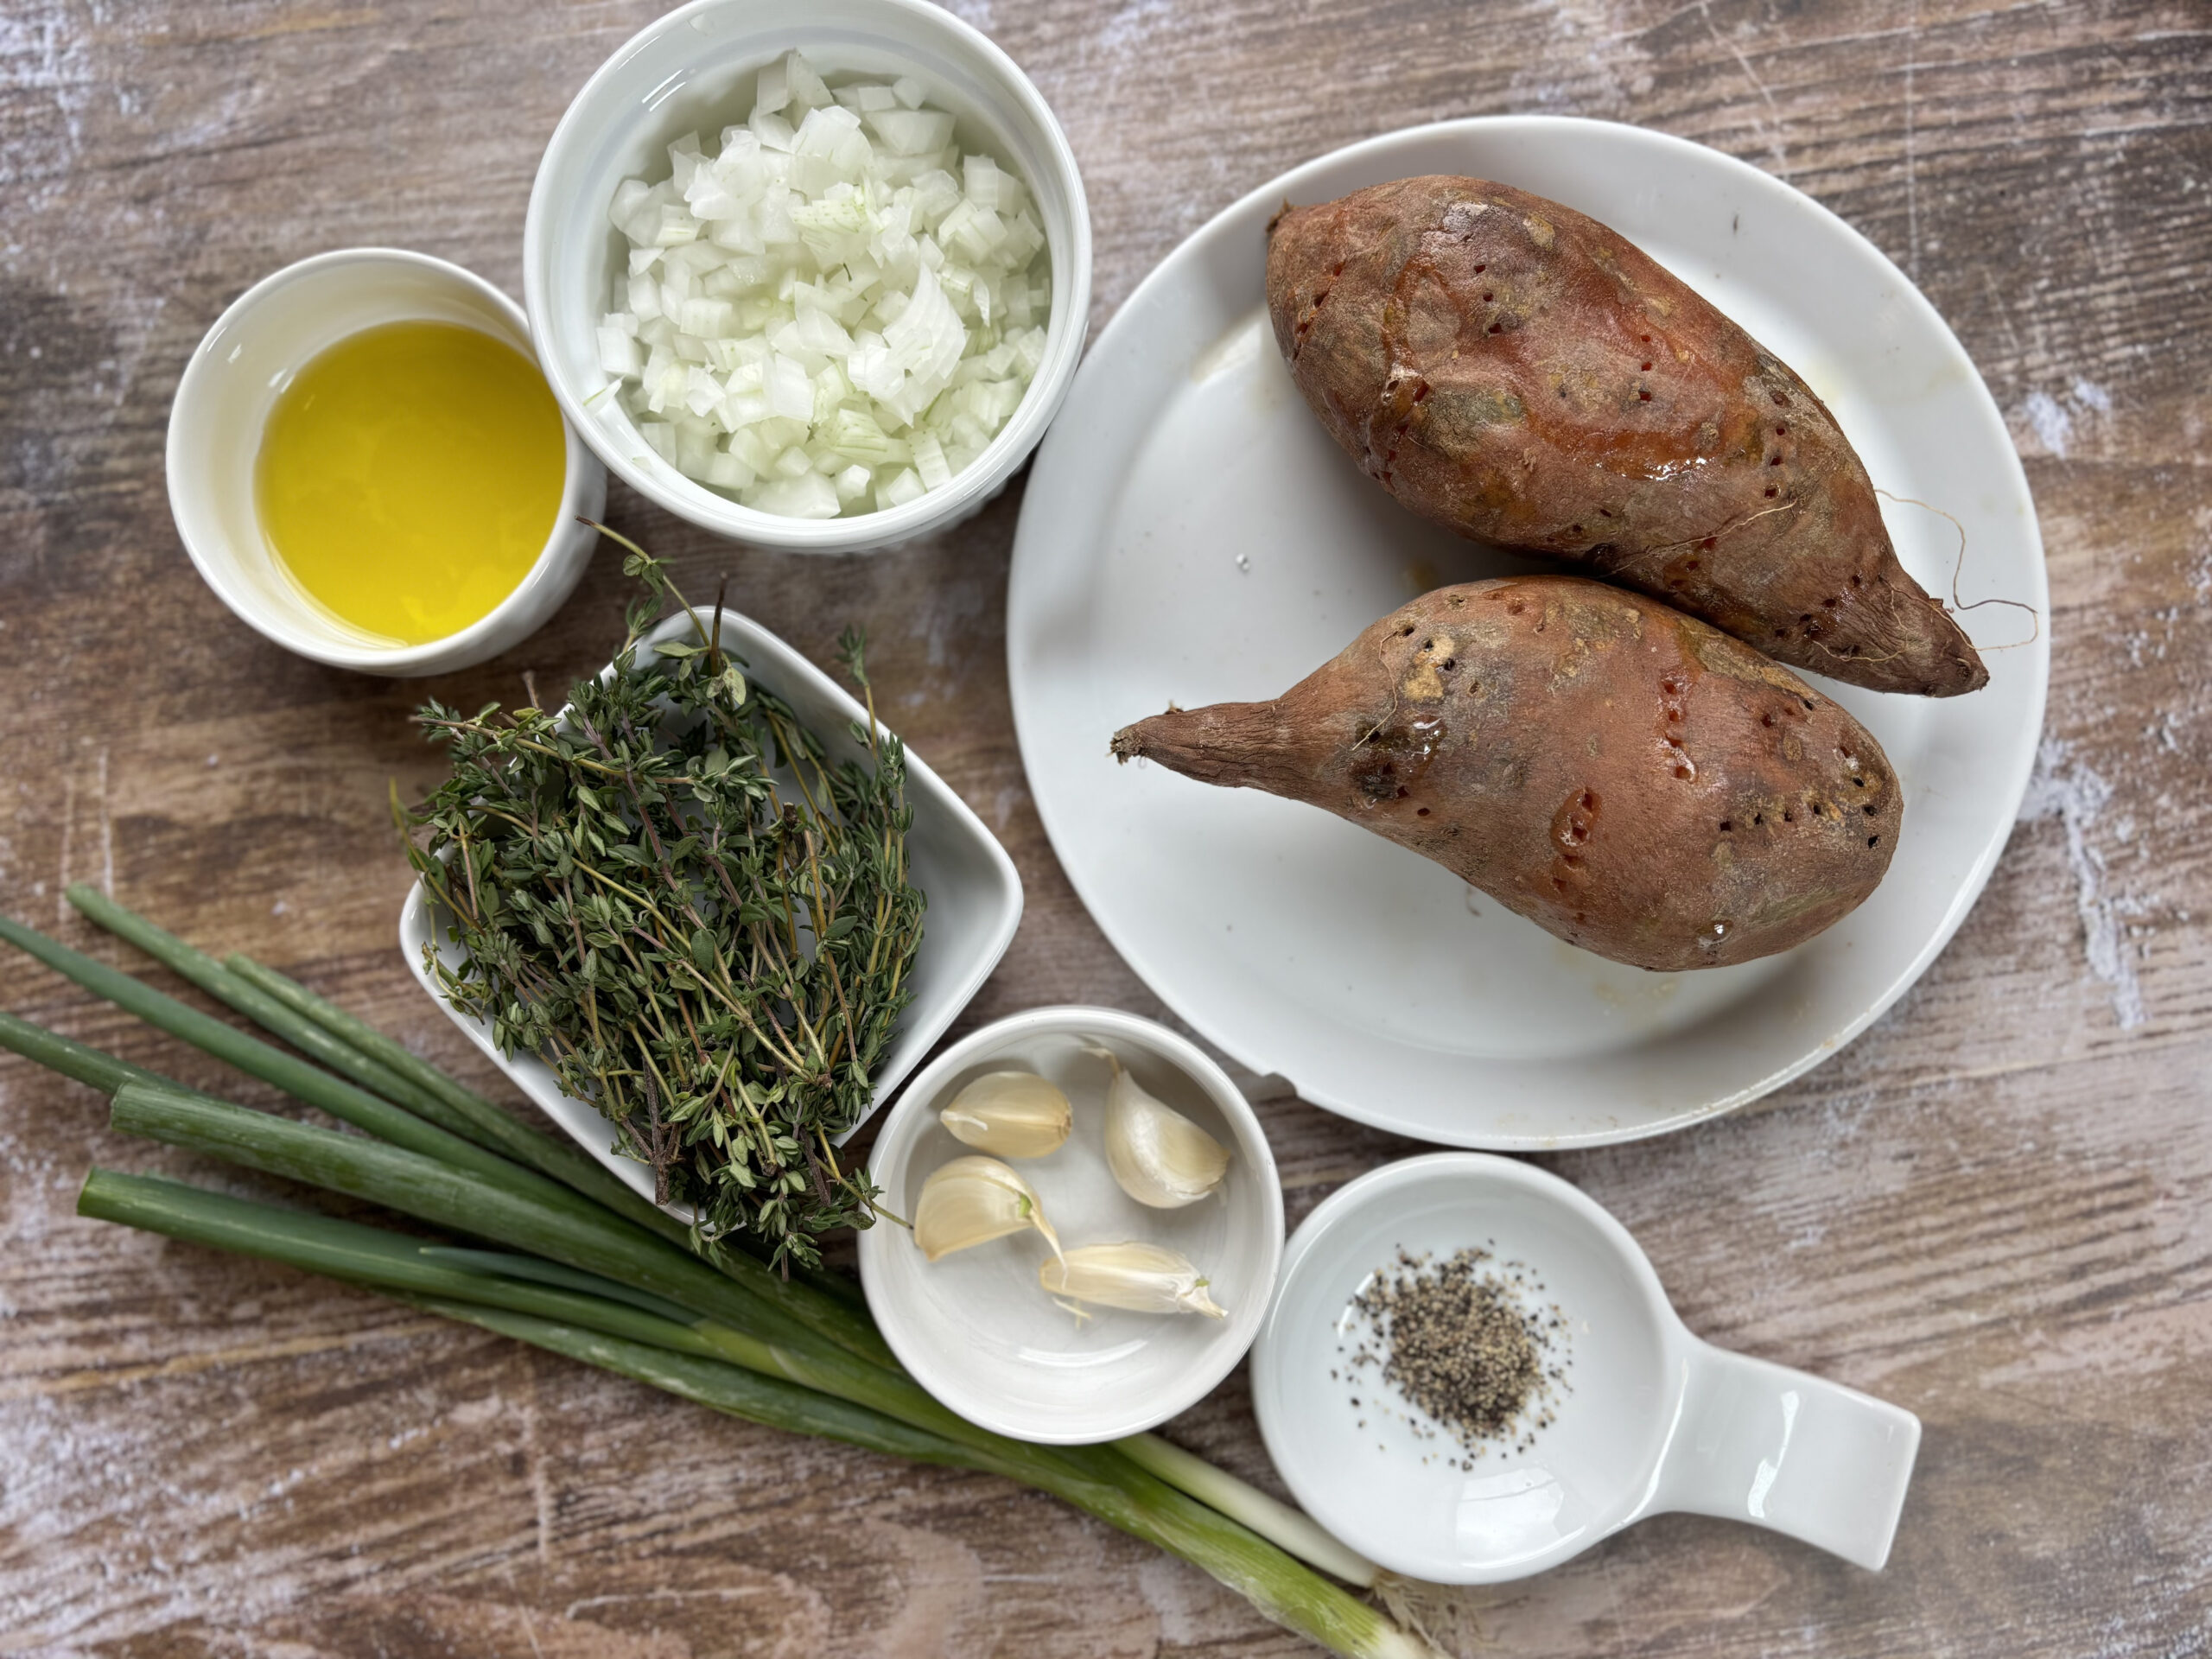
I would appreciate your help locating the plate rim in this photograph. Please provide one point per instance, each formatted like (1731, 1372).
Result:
(1062, 438)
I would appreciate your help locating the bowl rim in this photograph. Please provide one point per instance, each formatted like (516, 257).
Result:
(578, 465)
(1066, 335)
(1216, 1361)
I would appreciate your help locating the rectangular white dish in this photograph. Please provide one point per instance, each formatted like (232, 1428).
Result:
(973, 902)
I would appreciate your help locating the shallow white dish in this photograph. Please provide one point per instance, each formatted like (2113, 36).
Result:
(973, 902)
(1190, 534)
(974, 1327)
(265, 337)
(1650, 1420)
(694, 69)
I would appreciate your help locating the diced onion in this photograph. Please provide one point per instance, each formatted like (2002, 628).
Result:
(833, 311)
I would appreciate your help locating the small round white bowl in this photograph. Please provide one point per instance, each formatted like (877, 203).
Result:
(693, 70)
(975, 1328)
(269, 332)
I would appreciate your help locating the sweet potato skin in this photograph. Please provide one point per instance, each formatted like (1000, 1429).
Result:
(1518, 372)
(1636, 782)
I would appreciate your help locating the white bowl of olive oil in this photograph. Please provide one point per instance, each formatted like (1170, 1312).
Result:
(366, 466)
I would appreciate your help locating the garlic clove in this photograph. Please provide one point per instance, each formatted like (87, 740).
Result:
(1158, 1155)
(971, 1201)
(1142, 1278)
(1010, 1115)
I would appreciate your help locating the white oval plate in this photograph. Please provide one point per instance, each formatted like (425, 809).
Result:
(1191, 535)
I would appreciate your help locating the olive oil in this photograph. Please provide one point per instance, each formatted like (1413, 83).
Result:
(408, 477)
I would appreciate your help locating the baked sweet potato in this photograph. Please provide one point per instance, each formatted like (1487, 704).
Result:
(1520, 374)
(1639, 784)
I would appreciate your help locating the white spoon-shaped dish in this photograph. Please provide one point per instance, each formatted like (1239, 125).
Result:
(1650, 1419)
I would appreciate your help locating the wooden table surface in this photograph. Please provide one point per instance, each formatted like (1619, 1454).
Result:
(1995, 1207)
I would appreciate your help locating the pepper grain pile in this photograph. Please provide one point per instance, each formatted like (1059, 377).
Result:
(1456, 1339)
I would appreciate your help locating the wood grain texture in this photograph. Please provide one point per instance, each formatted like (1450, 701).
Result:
(1995, 1207)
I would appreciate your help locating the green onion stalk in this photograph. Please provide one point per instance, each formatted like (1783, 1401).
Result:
(578, 1265)
(562, 1186)
(383, 1070)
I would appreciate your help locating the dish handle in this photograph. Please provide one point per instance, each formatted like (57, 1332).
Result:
(1759, 1442)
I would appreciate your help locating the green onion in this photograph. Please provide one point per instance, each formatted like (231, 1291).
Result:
(1289, 1594)
(1180, 1469)
(1276, 1521)
(1164, 1460)
(744, 1394)
(511, 1211)
(73, 1059)
(838, 1321)
(294, 1076)
(507, 1265)
(453, 1109)
(430, 1192)
(580, 1279)
(374, 1255)
(371, 1059)
(211, 976)
(667, 1354)
(365, 1040)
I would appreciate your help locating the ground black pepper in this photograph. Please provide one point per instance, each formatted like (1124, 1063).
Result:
(1468, 1343)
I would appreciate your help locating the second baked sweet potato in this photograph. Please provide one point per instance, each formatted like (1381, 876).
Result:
(1638, 782)
(1518, 372)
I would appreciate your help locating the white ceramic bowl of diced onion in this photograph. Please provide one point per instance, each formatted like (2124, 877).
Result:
(698, 70)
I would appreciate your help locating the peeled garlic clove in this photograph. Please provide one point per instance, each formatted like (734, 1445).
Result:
(972, 1201)
(1159, 1157)
(1010, 1114)
(1142, 1278)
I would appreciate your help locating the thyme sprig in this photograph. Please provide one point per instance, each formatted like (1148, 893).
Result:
(671, 894)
